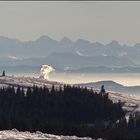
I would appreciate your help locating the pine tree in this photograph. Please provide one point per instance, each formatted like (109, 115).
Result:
(102, 91)
(3, 73)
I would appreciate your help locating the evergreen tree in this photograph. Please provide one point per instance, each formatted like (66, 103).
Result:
(3, 73)
(102, 91)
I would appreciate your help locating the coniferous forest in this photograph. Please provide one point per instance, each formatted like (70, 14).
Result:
(68, 111)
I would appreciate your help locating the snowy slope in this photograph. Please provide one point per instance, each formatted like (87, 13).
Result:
(113, 86)
(118, 92)
(26, 81)
(131, 102)
(16, 135)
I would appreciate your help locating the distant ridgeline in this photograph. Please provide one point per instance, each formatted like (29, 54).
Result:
(67, 111)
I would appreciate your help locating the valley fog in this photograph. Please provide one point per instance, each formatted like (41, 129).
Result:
(132, 79)
(127, 79)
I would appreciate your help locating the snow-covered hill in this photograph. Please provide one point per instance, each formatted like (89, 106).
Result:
(26, 81)
(113, 86)
(16, 135)
(119, 92)
(131, 102)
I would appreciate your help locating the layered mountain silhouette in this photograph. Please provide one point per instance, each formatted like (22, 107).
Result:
(67, 53)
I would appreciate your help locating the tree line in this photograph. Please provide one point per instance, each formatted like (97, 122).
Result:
(67, 110)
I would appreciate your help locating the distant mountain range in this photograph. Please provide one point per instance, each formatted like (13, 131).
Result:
(63, 54)
(104, 69)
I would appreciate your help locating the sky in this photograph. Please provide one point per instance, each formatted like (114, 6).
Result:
(93, 21)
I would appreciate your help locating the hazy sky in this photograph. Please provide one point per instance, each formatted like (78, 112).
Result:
(95, 21)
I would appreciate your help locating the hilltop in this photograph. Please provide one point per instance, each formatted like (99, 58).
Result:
(116, 91)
